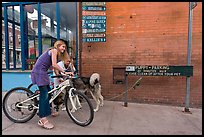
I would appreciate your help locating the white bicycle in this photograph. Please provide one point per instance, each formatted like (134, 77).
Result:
(20, 104)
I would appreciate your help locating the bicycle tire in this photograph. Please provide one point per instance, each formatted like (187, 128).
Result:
(33, 87)
(86, 112)
(29, 86)
(10, 109)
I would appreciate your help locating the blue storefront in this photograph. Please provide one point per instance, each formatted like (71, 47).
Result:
(28, 29)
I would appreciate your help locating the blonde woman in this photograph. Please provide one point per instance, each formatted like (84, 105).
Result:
(40, 77)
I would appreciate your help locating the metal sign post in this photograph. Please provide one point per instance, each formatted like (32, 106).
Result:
(192, 5)
(126, 91)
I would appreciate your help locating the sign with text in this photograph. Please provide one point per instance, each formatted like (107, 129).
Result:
(94, 17)
(93, 8)
(94, 35)
(93, 4)
(94, 39)
(94, 26)
(158, 70)
(93, 13)
(93, 30)
(93, 21)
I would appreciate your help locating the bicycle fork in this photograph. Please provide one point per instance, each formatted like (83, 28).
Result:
(74, 100)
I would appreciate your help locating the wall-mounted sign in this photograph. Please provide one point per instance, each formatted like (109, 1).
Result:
(93, 13)
(93, 21)
(159, 70)
(93, 8)
(94, 35)
(94, 40)
(94, 17)
(94, 26)
(93, 30)
(93, 4)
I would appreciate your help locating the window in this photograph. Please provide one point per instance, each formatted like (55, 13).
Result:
(118, 75)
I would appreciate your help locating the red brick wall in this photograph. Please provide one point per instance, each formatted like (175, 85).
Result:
(148, 33)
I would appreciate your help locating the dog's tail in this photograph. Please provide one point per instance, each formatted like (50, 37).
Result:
(94, 79)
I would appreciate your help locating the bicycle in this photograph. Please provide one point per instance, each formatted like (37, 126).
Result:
(34, 88)
(20, 104)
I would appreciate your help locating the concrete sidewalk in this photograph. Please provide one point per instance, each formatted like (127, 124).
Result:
(115, 119)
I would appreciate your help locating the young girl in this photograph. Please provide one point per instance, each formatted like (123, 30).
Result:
(66, 65)
(40, 77)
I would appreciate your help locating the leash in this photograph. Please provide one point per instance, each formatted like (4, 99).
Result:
(137, 83)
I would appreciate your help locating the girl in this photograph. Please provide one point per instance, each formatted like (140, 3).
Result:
(40, 77)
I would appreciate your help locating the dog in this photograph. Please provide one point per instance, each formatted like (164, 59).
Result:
(90, 85)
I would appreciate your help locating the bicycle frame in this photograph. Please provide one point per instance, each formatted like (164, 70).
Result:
(59, 89)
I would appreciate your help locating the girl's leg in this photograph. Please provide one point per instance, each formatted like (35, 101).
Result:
(48, 87)
(44, 106)
(54, 113)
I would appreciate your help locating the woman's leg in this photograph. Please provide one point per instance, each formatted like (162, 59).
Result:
(54, 113)
(44, 106)
(48, 87)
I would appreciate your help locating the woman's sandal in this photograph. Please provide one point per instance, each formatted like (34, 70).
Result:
(46, 124)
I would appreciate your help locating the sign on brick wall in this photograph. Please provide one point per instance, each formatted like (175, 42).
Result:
(93, 4)
(158, 70)
(94, 21)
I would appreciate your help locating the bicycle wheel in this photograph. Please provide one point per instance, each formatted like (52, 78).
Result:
(34, 88)
(16, 111)
(83, 114)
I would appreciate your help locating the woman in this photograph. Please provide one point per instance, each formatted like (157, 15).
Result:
(40, 77)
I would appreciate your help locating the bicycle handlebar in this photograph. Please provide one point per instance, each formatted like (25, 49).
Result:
(58, 76)
(63, 76)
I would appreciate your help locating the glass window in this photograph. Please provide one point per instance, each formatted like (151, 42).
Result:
(32, 17)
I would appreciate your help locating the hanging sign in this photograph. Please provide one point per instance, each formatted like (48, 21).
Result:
(93, 21)
(93, 8)
(96, 21)
(94, 40)
(94, 26)
(94, 35)
(94, 17)
(93, 4)
(93, 13)
(93, 30)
